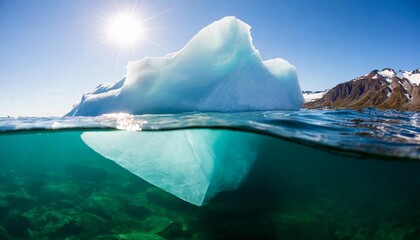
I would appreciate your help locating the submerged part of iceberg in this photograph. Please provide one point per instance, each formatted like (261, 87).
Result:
(192, 164)
(218, 70)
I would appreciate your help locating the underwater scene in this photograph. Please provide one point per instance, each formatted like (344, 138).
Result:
(310, 174)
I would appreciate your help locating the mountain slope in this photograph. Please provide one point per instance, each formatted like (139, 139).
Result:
(384, 89)
(310, 96)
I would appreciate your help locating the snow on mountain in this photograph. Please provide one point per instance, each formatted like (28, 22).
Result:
(412, 76)
(387, 73)
(311, 96)
(383, 89)
(218, 70)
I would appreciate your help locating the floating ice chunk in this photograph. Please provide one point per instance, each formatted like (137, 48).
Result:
(218, 70)
(192, 164)
(286, 73)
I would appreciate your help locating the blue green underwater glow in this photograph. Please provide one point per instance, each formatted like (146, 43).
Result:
(309, 175)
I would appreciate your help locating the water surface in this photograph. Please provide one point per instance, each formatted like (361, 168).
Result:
(317, 175)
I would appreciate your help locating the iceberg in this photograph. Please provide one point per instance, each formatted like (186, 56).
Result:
(219, 70)
(192, 164)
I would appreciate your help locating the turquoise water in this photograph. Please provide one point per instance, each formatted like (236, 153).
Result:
(317, 175)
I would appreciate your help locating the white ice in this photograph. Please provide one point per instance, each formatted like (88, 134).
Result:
(193, 164)
(218, 70)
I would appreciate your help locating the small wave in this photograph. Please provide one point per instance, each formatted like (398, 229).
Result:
(366, 133)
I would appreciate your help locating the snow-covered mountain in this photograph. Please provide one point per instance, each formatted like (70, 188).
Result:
(385, 89)
(311, 96)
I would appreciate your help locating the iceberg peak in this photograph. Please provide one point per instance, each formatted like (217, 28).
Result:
(218, 70)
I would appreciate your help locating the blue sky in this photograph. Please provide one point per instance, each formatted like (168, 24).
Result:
(52, 51)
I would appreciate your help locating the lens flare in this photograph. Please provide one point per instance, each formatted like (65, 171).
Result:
(125, 29)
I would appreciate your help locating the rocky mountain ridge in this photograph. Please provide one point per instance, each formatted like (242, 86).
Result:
(385, 89)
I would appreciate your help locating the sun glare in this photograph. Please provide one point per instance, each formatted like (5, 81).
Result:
(125, 29)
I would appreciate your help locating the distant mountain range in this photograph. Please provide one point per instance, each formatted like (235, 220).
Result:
(385, 89)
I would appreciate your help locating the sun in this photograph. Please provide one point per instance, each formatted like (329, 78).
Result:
(125, 29)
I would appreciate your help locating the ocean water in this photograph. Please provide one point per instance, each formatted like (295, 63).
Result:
(333, 174)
